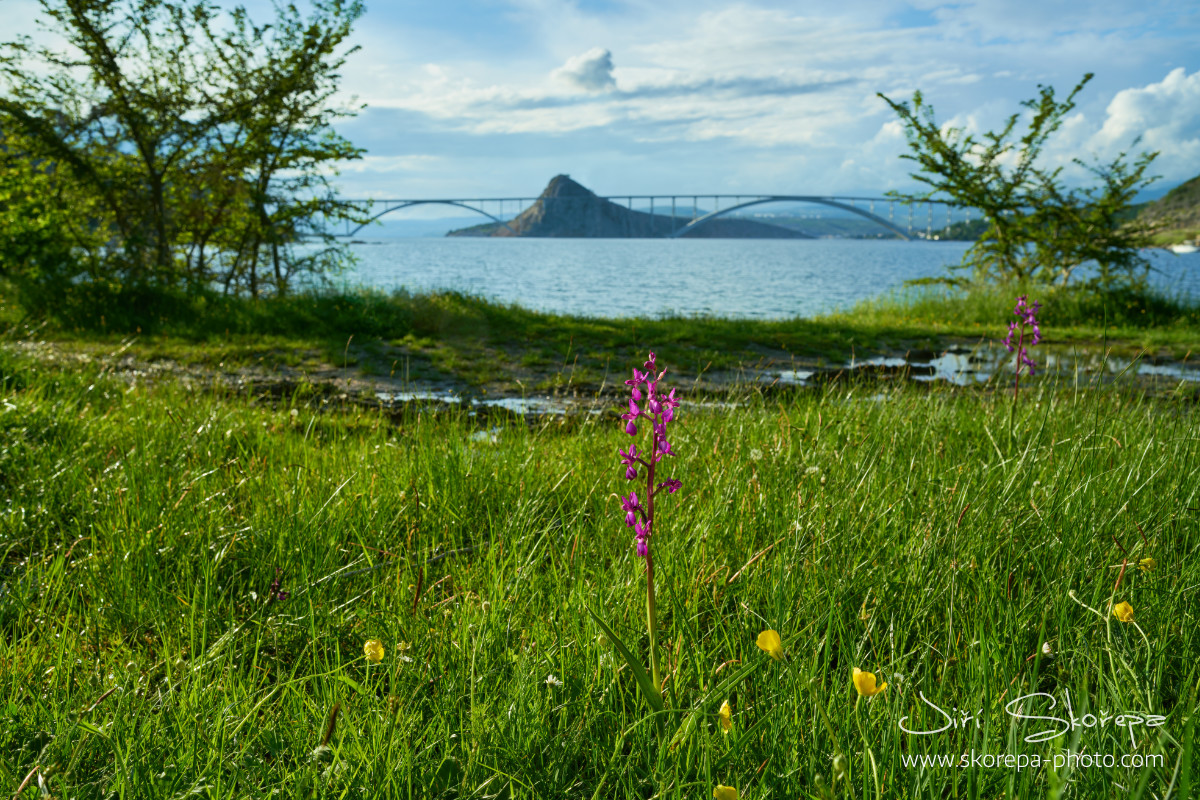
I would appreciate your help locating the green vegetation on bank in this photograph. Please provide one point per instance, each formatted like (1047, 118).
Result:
(1176, 236)
(449, 336)
(966, 231)
(1143, 317)
(1175, 218)
(146, 650)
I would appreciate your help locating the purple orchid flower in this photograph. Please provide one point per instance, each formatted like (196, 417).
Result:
(643, 539)
(277, 593)
(631, 507)
(1026, 314)
(634, 381)
(659, 410)
(631, 415)
(630, 460)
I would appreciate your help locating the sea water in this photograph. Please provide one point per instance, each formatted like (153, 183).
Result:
(741, 278)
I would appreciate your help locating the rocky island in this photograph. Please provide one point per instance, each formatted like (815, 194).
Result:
(567, 209)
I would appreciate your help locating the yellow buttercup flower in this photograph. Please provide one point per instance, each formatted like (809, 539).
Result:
(864, 682)
(1147, 564)
(769, 641)
(725, 793)
(726, 715)
(373, 650)
(1123, 611)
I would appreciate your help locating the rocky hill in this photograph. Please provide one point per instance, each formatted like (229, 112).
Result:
(1175, 217)
(567, 209)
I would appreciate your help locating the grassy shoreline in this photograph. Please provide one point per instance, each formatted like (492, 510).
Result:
(452, 340)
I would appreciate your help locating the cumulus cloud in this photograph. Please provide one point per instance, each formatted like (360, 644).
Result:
(1167, 110)
(1166, 115)
(590, 71)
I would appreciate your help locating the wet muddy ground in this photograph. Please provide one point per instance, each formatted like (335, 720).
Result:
(982, 366)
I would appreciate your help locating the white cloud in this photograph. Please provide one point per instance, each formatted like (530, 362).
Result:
(1166, 115)
(759, 92)
(392, 164)
(590, 71)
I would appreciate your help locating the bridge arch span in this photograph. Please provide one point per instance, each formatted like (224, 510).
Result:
(825, 201)
(410, 203)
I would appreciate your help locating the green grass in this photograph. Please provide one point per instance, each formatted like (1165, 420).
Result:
(450, 336)
(911, 535)
(1177, 236)
(1146, 318)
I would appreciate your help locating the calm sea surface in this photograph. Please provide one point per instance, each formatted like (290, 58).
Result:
(747, 278)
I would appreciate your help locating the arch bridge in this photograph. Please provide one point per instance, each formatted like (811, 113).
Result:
(678, 225)
(794, 198)
(397, 205)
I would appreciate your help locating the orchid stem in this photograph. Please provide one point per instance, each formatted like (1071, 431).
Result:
(1020, 352)
(1012, 411)
(658, 412)
(652, 623)
(651, 614)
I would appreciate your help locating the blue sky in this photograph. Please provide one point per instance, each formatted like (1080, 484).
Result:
(494, 97)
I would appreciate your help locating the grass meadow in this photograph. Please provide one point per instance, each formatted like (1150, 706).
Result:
(190, 575)
(484, 344)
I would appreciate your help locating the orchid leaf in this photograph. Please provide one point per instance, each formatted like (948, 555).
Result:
(649, 690)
